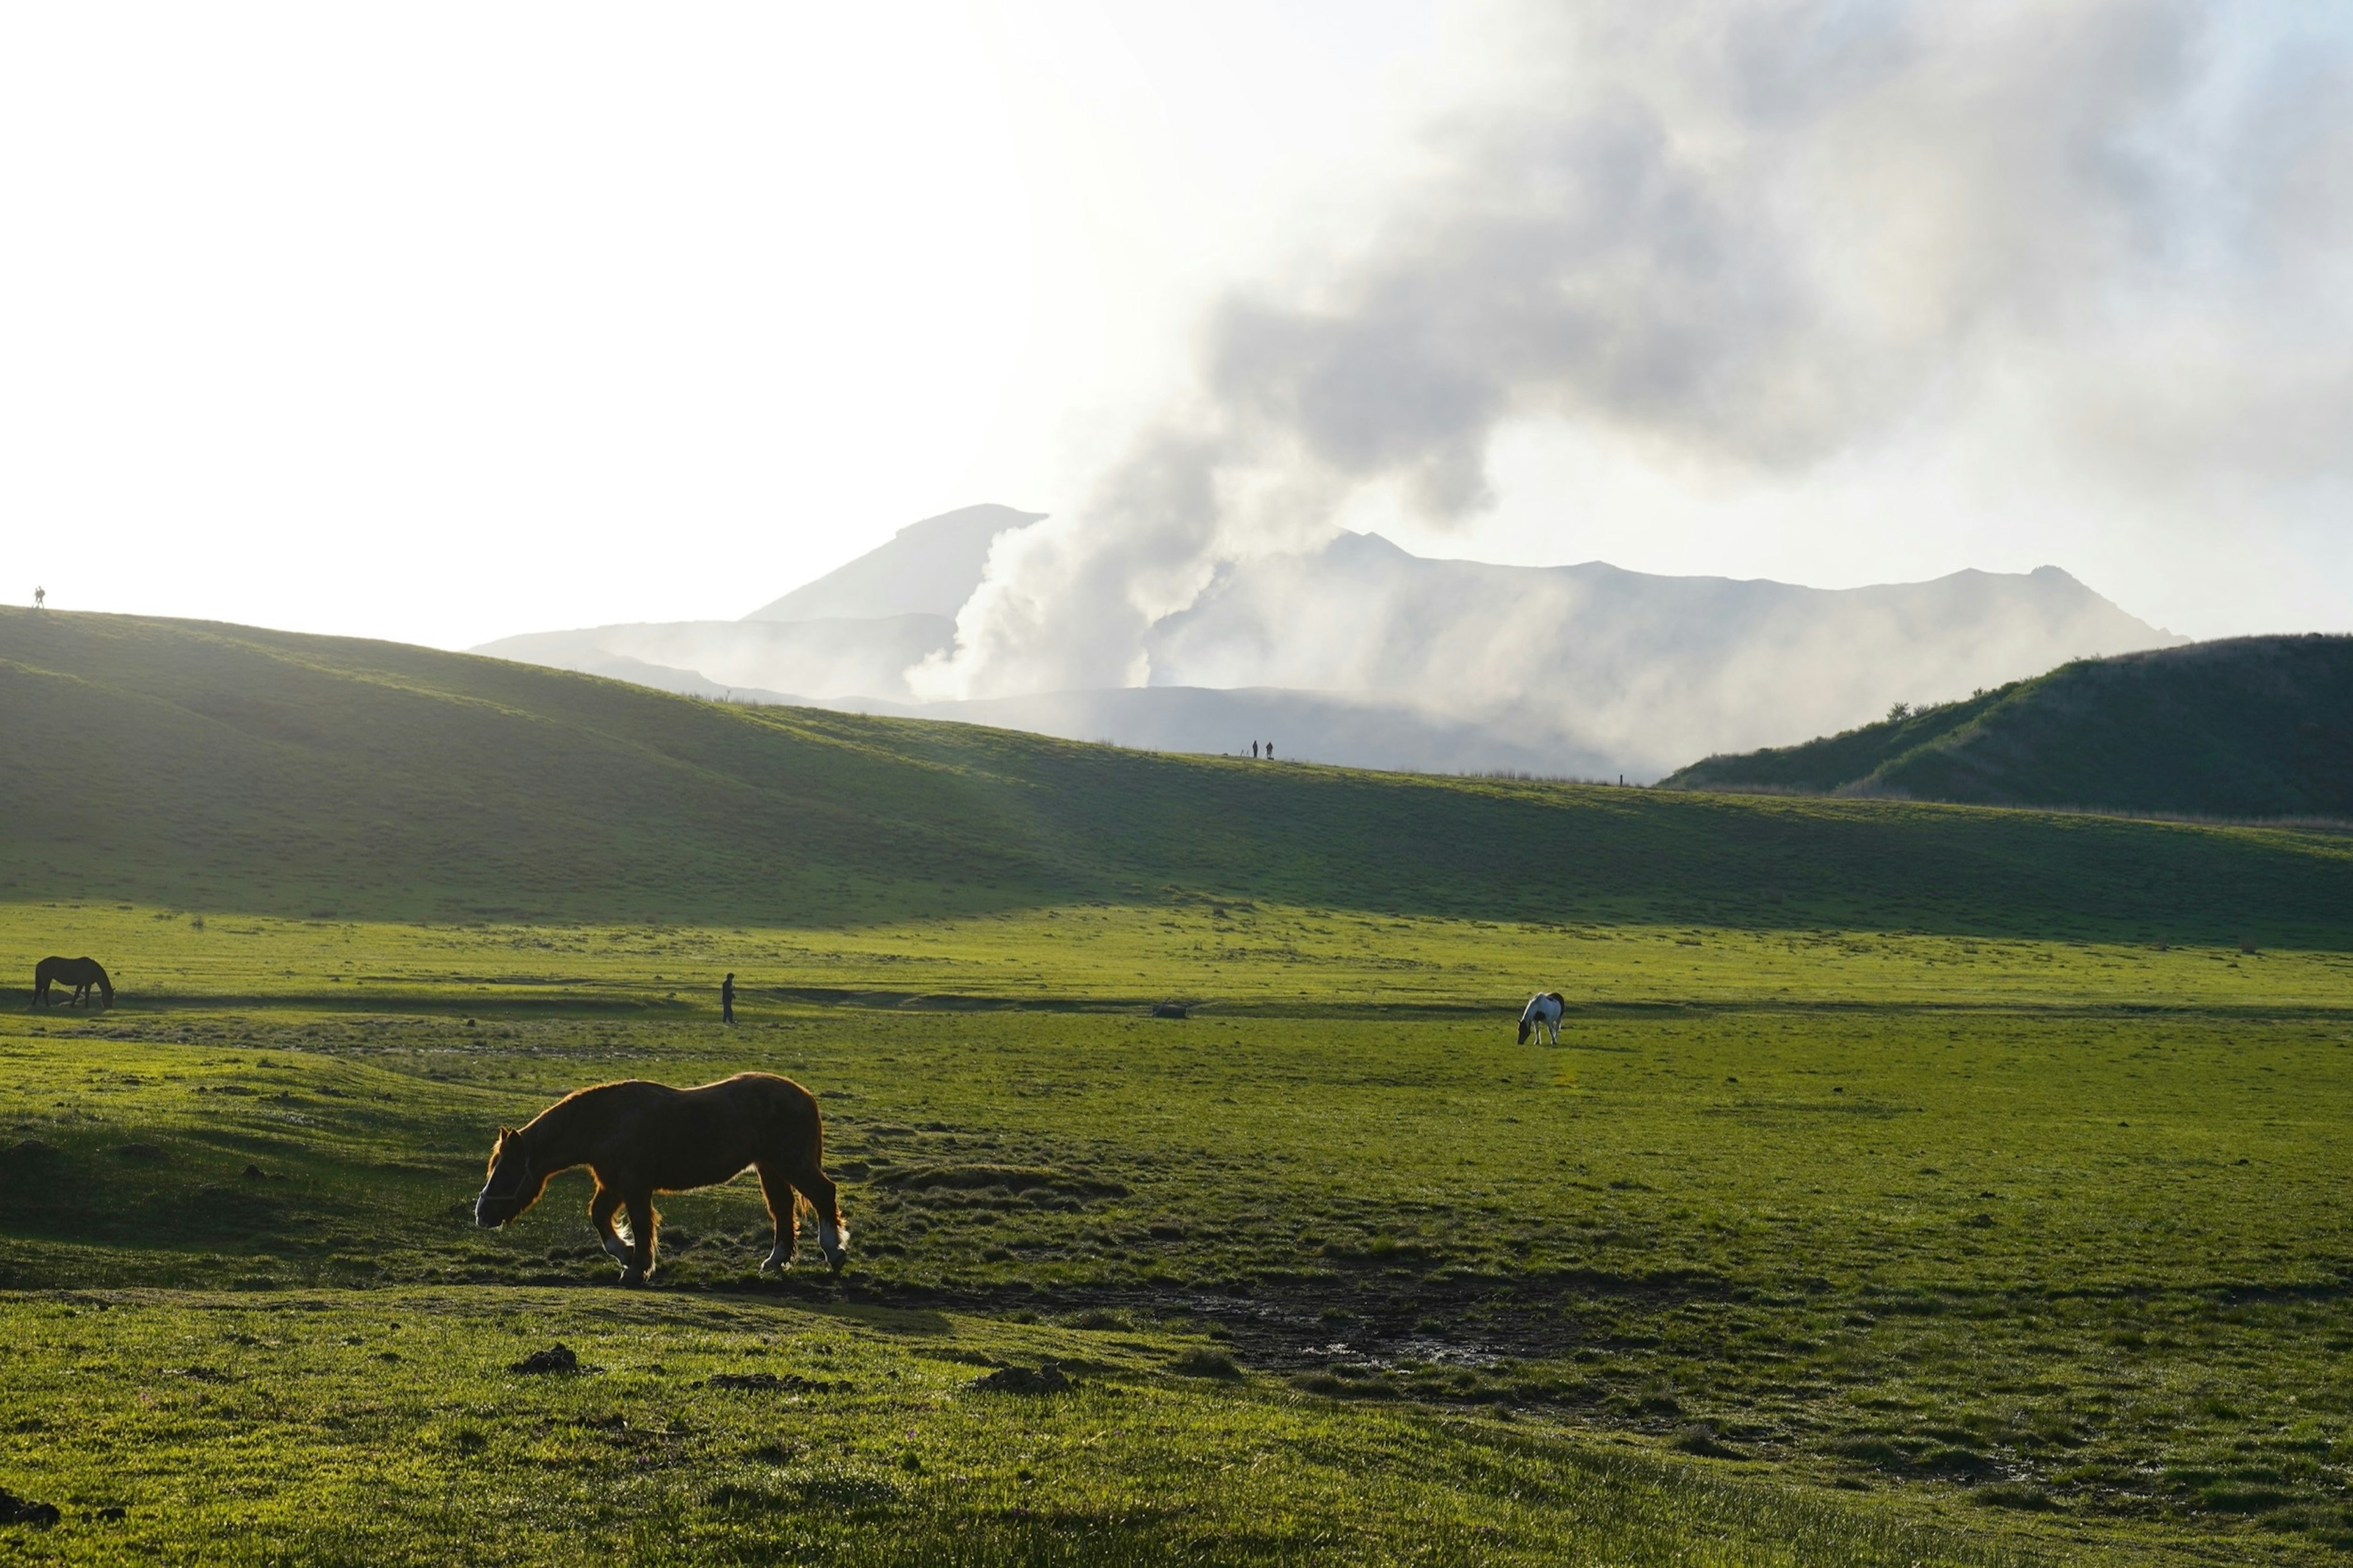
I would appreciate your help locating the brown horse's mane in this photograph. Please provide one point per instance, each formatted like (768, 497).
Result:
(565, 1108)
(547, 1125)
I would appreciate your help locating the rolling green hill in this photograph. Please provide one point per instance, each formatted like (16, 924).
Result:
(1909, 1184)
(209, 766)
(2251, 727)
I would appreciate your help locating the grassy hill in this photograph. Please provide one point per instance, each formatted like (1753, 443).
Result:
(217, 767)
(1910, 1184)
(2249, 727)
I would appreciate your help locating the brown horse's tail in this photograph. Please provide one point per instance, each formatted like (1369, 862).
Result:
(811, 1162)
(817, 1159)
(803, 1209)
(832, 1230)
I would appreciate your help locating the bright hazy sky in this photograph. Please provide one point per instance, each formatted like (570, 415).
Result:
(443, 323)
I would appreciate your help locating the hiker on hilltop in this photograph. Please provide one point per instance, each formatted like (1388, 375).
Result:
(728, 1000)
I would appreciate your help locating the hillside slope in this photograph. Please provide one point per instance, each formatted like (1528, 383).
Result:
(2249, 727)
(817, 660)
(217, 767)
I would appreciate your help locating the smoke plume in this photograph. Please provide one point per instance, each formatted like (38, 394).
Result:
(1751, 240)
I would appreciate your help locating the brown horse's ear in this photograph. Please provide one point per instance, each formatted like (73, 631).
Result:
(505, 1133)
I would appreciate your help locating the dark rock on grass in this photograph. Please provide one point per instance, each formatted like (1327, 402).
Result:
(113, 1513)
(30, 1149)
(771, 1383)
(1049, 1378)
(1168, 1009)
(554, 1359)
(1205, 1364)
(253, 1174)
(14, 1509)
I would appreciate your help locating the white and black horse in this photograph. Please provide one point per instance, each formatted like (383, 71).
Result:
(1543, 1012)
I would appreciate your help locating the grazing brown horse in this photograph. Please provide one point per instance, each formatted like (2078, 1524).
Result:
(640, 1138)
(81, 974)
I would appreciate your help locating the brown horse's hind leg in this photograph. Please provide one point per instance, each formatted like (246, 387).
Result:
(642, 1220)
(831, 1234)
(601, 1209)
(784, 1213)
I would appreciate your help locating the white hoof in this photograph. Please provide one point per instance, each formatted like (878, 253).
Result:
(779, 1260)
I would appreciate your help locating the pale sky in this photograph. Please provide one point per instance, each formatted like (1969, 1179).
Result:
(444, 322)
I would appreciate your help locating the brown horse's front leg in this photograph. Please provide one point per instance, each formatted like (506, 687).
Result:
(601, 1209)
(641, 1238)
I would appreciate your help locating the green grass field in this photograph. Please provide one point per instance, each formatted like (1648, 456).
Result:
(2033, 1249)
(1910, 1184)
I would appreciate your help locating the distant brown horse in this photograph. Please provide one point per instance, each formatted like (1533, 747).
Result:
(81, 974)
(640, 1138)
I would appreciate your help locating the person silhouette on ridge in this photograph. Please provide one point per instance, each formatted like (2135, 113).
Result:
(728, 1000)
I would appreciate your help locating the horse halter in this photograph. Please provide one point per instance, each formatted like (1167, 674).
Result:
(523, 1176)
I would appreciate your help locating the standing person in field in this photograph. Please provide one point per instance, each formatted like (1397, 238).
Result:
(1253, 751)
(728, 1000)
(1269, 750)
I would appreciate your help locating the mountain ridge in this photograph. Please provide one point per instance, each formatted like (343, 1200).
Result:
(927, 568)
(1438, 665)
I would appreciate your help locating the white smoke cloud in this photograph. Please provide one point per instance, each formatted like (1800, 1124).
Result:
(1757, 239)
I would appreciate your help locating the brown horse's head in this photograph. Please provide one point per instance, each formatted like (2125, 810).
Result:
(512, 1185)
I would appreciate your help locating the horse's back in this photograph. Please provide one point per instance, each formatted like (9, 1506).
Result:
(693, 1137)
(749, 1094)
(75, 969)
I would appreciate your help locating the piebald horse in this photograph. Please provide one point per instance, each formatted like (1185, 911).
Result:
(1543, 1012)
(81, 974)
(640, 1138)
